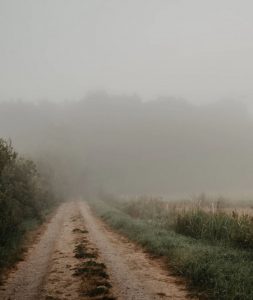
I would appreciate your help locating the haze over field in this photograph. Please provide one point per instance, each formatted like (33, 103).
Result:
(126, 163)
(158, 52)
(167, 146)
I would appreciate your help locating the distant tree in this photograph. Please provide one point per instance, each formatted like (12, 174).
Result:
(7, 154)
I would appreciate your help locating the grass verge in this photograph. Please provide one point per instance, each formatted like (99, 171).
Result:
(218, 271)
(13, 248)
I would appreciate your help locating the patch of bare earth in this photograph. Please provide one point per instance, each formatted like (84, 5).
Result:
(76, 271)
(78, 257)
(133, 273)
(59, 282)
(62, 265)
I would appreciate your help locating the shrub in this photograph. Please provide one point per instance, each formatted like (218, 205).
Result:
(24, 198)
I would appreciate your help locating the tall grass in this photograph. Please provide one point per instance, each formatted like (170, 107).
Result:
(218, 270)
(234, 229)
(208, 221)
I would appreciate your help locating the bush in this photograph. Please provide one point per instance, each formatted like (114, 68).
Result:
(25, 196)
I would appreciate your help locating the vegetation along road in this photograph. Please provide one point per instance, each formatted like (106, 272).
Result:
(78, 257)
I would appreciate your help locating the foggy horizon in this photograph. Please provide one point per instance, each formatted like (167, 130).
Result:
(135, 96)
(124, 145)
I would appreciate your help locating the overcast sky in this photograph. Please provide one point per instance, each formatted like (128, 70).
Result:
(60, 49)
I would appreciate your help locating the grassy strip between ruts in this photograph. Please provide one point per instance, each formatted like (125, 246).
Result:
(221, 272)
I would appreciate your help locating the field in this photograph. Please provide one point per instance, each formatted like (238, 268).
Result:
(208, 242)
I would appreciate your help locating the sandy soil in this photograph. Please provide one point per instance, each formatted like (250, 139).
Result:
(59, 282)
(26, 281)
(133, 273)
(50, 265)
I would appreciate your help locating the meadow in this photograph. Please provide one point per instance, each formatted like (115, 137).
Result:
(208, 242)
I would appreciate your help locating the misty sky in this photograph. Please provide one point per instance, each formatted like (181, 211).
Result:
(60, 49)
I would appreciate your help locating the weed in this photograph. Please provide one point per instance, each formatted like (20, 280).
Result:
(77, 230)
(81, 252)
(98, 290)
(91, 270)
(95, 282)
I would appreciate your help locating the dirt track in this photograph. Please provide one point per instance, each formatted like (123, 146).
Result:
(49, 268)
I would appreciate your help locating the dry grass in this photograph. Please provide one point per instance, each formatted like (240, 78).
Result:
(209, 242)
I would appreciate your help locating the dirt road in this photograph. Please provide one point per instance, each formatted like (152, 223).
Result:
(79, 257)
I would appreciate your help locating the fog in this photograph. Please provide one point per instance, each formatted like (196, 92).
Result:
(168, 85)
(125, 145)
(199, 50)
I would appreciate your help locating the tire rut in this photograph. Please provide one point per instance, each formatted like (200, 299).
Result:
(27, 280)
(79, 257)
(63, 265)
(134, 275)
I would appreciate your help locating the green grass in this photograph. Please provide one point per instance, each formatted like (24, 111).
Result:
(11, 243)
(218, 270)
(10, 251)
(229, 229)
(12, 246)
